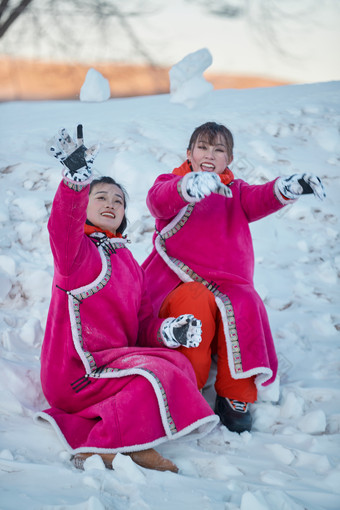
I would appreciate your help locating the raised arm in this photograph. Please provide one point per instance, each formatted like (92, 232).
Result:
(66, 224)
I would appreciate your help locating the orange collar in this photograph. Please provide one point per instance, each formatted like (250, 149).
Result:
(90, 229)
(226, 177)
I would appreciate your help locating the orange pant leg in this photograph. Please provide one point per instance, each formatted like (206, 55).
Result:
(197, 300)
(194, 298)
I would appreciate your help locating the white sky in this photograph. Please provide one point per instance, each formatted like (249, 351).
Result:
(307, 38)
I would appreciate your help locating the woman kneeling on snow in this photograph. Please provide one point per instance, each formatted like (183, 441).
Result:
(203, 264)
(112, 383)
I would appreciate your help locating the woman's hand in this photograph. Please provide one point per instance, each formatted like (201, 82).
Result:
(301, 184)
(184, 330)
(76, 159)
(202, 184)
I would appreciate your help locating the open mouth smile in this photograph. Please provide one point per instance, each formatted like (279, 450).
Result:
(108, 215)
(208, 167)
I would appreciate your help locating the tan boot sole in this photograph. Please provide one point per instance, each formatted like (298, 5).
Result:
(150, 459)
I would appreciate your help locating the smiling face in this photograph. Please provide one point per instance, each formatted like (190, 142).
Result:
(210, 156)
(106, 207)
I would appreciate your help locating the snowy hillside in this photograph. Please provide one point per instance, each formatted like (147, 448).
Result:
(291, 459)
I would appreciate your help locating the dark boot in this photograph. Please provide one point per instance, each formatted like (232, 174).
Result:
(235, 415)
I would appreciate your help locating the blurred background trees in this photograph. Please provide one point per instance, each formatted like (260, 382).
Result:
(53, 23)
(272, 41)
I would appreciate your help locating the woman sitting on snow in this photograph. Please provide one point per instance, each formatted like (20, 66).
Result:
(203, 264)
(112, 383)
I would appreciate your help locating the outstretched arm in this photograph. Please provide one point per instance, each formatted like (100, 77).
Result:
(263, 199)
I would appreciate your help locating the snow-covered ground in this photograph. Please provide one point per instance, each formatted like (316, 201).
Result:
(291, 459)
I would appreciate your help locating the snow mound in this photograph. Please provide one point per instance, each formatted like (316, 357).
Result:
(95, 88)
(187, 84)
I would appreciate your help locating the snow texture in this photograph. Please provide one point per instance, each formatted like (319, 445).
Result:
(291, 458)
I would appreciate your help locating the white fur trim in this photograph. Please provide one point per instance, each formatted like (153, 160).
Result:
(85, 288)
(194, 431)
(174, 221)
(151, 379)
(75, 335)
(144, 373)
(263, 373)
(182, 276)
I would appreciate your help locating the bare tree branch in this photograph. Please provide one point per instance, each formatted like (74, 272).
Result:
(63, 13)
(15, 13)
(3, 6)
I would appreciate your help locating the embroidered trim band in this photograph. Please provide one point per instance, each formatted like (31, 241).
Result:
(74, 186)
(97, 372)
(212, 286)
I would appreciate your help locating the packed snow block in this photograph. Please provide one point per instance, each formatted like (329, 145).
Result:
(95, 88)
(187, 82)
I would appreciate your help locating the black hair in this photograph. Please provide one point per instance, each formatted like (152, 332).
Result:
(212, 130)
(108, 180)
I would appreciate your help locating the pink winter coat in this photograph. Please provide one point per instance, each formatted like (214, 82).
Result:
(209, 241)
(111, 384)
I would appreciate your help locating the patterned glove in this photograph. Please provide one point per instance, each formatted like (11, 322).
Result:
(301, 184)
(76, 159)
(202, 184)
(184, 330)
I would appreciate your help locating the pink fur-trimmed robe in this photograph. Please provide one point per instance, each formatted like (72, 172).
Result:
(111, 385)
(209, 241)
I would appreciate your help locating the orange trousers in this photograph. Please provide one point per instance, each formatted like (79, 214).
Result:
(197, 300)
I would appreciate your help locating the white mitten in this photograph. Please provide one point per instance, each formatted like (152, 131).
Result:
(183, 330)
(202, 184)
(301, 184)
(76, 159)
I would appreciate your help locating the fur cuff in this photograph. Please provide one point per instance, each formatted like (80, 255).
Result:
(76, 185)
